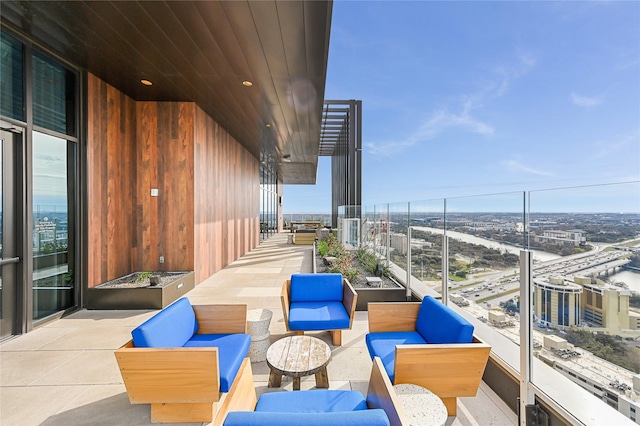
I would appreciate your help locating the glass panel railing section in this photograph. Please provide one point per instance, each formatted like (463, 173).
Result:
(485, 236)
(381, 240)
(369, 233)
(427, 225)
(398, 223)
(586, 289)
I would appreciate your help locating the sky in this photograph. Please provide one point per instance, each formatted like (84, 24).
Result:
(462, 98)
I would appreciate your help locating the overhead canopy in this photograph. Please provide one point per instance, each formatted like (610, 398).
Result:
(203, 51)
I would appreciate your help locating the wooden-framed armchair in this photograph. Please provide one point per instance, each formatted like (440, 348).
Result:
(380, 407)
(314, 302)
(428, 344)
(186, 359)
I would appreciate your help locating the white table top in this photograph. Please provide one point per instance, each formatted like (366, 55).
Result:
(421, 406)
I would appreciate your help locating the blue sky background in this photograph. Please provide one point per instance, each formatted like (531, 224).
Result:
(479, 97)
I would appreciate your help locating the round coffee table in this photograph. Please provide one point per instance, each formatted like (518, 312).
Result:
(298, 356)
(421, 406)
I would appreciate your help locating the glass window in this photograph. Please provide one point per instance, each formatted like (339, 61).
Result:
(53, 207)
(53, 96)
(12, 81)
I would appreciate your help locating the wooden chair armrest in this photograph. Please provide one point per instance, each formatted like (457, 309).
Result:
(349, 300)
(221, 319)
(285, 299)
(381, 394)
(448, 370)
(391, 316)
(169, 375)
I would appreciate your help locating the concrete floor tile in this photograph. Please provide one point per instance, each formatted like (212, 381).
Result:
(91, 338)
(33, 405)
(26, 368)
(101, 405)
(86, 368)
(35, 339)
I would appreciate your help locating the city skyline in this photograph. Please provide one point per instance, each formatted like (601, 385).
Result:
(464, 98)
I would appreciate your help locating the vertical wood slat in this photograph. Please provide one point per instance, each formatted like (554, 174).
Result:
(110, 147)
(226, 189)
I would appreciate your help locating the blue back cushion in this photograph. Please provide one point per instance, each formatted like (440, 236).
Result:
(438, 323)
(316, 287)
(172, 327)
(317, 401)
(374, 417)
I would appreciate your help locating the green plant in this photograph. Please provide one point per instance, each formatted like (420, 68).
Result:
(323, 248)
(370, 262)
(143, 276)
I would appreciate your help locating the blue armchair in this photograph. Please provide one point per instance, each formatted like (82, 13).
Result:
(313, 302)
(430, 345)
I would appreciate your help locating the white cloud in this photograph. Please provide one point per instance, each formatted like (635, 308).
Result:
(585, 101)
(517, 166)
(444, 119)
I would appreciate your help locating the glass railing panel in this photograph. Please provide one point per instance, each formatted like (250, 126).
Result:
(485, 236)
(397, 224)
(369, 232)
(586, 289)
(427, 225)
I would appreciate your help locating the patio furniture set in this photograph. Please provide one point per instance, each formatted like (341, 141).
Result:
(192, 363)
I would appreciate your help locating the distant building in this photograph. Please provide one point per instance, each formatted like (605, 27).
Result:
(574, 237)
(618, 387)
(563, 303)
(557, 301)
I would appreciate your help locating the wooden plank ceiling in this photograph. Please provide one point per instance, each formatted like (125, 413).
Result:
(202, 51)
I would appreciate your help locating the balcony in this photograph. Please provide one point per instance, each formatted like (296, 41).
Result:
(65, 371)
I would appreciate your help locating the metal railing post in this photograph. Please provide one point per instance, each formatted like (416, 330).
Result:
(408, 284)
(527, 397)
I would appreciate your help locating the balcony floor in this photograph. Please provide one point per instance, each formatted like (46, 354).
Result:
(65, 372)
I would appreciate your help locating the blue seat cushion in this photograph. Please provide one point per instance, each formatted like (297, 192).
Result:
(171, 327)
(374, 417)
(438, 323)
(383, 345)
(317, 401)
(318, 316)
(316, 287)
(232, 349)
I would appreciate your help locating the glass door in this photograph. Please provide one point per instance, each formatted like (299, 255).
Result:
(8, 235)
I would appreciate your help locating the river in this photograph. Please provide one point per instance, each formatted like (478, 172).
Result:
(632, 279)
(538, 255)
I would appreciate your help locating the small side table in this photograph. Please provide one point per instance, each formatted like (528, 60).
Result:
(258, 321)
(421, 406)
(298, 356)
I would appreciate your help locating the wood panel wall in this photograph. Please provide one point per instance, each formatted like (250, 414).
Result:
(227, 198)
(206, 214)
(165, 162)
(111, 179)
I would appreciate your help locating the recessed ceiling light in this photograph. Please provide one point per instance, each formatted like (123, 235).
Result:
(247, 83)
(268, 125)
(146, 82)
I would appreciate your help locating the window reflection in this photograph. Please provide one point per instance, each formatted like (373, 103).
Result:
(53, 201)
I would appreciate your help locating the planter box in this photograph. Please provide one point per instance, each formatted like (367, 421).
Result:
(152, 297)
(366, 295)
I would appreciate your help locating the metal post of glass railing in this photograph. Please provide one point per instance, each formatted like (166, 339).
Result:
(527, 397)
(408, 284)
(445, 269)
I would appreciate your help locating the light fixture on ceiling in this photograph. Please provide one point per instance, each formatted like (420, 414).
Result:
(247, 83)
(268, 125)
(146, 82)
